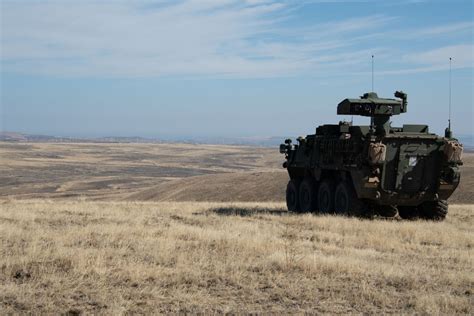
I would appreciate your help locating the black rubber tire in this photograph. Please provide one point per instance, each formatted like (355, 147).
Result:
(346, 201)
(407, 212)
(292, 196)
(308, 195)
(435, 211)
(342, 199)
(387, 210)
(326, 196)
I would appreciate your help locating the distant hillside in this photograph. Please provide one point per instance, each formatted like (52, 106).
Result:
(20, 137)
(261, 141)
(11, 136)
(467, 141)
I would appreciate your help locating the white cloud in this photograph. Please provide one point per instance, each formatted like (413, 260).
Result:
(463, 56)
(225, 38)
(443, 29)
(120, 38)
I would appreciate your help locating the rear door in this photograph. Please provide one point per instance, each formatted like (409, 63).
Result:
(416, 170)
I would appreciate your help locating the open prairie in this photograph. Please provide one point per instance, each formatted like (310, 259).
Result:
(155, 172)
(146, 228)
(120, 171)
(148, 257)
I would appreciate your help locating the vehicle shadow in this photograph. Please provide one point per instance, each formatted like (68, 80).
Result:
(253, 211)
(248, 211)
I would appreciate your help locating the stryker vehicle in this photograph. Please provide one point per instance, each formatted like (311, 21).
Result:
(374, 169)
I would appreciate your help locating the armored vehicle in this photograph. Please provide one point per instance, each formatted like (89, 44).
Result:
(374, 169)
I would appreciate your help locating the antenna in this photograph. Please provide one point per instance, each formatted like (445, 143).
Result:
(372, 118)
(372, 73)
(448, 133)
(449, 117)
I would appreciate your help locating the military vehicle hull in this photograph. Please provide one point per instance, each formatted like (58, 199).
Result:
(365, 170)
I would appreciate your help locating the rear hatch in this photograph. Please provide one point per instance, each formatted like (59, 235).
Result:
(412, 164)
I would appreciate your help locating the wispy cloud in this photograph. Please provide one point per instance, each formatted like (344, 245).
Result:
(440, 56)
(444, 29)
(225, 38)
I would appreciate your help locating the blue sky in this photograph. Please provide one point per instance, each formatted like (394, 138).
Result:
(228, 68)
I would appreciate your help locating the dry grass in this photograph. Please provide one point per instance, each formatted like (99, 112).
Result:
(106, 257)
(112, 171)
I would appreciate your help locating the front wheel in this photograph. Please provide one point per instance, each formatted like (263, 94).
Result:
(292, 198)
(307, 195)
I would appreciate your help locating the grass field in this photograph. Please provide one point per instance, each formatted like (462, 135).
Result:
(118, 257)
(111, 171)
(91, 228)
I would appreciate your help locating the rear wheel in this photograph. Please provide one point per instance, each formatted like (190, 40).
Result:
(346, 201)
(436, 210)
(326, 196)
(408, 212)
(292, 190)
(307, 195)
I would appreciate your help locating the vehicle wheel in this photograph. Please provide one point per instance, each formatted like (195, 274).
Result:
(326, 196)
(307, 195)
(292, 190)
(408, 212)
(346, 201)
(436, 210)
(387, 210)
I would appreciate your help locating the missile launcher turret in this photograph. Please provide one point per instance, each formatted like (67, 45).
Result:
(363, 170)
